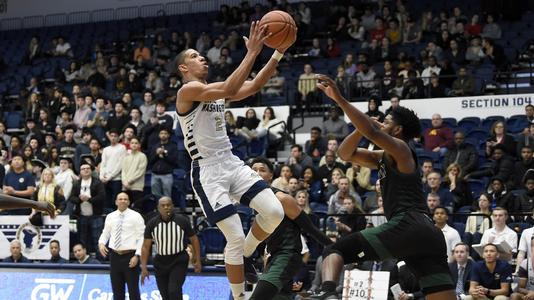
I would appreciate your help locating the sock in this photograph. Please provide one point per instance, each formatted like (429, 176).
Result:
(238, 290)
(328, 286)
(251, 243)
(305, 223)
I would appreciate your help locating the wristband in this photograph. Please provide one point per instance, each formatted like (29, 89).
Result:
(277, 55)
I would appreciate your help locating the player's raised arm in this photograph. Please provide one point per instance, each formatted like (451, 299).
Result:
(395, 147)
(10, 202)
(194, 69)
(251, 87)
(349, 151)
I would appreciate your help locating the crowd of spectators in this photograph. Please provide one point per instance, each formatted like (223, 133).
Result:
(81, 146)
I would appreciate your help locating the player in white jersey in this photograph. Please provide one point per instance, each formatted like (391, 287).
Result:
(219, 178)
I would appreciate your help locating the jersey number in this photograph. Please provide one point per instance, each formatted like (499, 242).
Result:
(218, 123)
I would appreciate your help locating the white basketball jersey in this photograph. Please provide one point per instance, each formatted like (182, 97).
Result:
(204, 129)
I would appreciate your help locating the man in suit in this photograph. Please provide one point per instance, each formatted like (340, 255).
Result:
(461, 268)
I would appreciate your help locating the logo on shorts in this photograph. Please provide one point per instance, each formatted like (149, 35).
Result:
(217, 205)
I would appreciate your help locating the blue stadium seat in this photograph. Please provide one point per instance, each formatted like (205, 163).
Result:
(477, 134)
(459, 226)
(450, 122)
(488, 122)
(477, 187)
(257, 147)
(14, 119)
(213, 240)
(469, 123)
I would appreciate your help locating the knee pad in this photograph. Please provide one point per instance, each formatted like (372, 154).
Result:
(232, 229)
(269, 208)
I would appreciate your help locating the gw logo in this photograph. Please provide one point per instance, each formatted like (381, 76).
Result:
(52, 289)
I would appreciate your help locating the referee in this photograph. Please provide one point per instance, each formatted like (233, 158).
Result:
(170, 232)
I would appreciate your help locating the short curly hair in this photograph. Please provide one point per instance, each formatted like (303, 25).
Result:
(411, 127)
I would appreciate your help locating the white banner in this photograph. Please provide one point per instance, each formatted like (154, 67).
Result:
(365, 285)
(34, 239)
(461, 107)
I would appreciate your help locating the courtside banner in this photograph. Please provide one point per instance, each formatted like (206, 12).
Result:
(34, 239)
(461, 107)
(41, 285)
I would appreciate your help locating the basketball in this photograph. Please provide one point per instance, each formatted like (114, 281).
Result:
(282, 28)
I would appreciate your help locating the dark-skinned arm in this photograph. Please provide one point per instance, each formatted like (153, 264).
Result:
(395, 147)
(10, 202)
(297, 215)
(349, 151)
(196, 252)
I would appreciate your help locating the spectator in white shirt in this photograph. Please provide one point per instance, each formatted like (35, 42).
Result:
(433, 68)
(525, 243)
(123, 229)
(65, 177)
(111, 167)
(500, 232)
(452, 237)
(63, 48)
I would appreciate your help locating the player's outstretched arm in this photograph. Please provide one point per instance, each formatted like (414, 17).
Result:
(349, 151)
(10, 202)
(251, 87)
(197, 91)
(395, 147)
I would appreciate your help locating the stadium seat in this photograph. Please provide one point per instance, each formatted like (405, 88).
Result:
(459, 226)
(477, 134)
(450, 122)
(488, 122)
(213, 241)
(476, 186)
(14, 119)
(469, 123)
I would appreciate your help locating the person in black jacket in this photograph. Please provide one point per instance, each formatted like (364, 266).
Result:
(521, 167)
(87, 198)
(156, 123)
(464, 154)
(163, 158)
(502, 166)
(500, 194)
(461, 193)
(524, 201)
(372, 109)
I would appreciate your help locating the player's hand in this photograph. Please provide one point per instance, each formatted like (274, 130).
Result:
(256, 37)
(47, 207)
(144, 275)
(283, 50)
(133, 261)
(197, 266)
(103, 250)
(328, 86)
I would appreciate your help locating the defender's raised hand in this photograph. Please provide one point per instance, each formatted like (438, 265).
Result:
(329, 87)
(257, 36)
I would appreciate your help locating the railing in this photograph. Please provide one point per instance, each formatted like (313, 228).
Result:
(355, 90)
(113, 14)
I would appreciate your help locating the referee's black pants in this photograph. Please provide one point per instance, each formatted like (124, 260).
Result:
(170, 274)
(121, 273)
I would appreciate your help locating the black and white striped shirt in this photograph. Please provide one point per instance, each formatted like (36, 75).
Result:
(170, 237)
